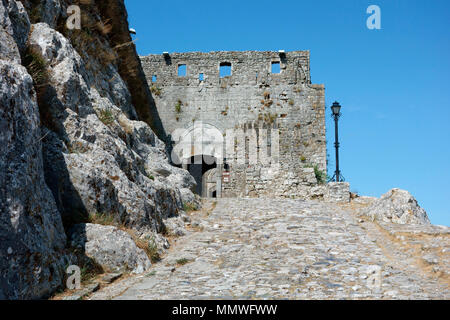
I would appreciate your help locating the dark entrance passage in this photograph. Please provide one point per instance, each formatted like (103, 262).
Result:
(198, 166)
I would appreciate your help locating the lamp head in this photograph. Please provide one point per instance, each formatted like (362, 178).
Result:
(336, 108)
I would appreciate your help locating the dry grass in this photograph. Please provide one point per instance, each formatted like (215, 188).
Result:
(413, 243)
(125, 124)
(268, 103)
(148, 245)
(36, 67)
(104, 27)
(103, 219)
(270, 118)
(189, 207)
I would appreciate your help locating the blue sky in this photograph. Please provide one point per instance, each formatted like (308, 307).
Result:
(392, 83)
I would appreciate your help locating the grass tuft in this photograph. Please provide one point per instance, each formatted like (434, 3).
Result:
(156, 91)
(189, 207)
(103, 219)
(36, 67)
(106, 116)
(178, 106)
(182, 262)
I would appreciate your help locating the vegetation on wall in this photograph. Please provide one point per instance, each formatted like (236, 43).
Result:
(178, 106)
(156, 91)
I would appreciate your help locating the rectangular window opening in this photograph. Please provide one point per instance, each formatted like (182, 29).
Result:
(182, 70)
(276, 67)
(225, 69)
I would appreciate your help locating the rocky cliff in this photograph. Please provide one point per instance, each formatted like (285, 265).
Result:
(76, 140)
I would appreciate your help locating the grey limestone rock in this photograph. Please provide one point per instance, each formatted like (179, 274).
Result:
(112, 248)
(32, 237)
(64, 159)
(50, 12)
(14, 29)
(397, 206)
(103, 164)
(338, 192)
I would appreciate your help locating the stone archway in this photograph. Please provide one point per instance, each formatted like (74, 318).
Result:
(211, 183)
(199, 149)
(200, 167)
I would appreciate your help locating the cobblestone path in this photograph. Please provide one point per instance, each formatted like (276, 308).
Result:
(294, 249)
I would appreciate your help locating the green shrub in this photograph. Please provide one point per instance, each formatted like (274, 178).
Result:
(178, 106)
(156, 91)
(320, 175)
(152, 251)
(106, 116)
(182, 261)
(189, 207)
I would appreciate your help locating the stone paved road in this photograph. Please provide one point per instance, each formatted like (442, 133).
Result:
(286, 249)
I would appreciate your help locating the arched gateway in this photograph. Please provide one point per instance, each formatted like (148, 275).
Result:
(199, 149)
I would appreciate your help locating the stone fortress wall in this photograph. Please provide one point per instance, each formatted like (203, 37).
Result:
(265, 90)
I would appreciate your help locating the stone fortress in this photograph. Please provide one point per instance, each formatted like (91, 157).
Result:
(253, 121)
(86, 179)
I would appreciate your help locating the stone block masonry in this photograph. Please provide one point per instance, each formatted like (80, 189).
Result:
(263, 94)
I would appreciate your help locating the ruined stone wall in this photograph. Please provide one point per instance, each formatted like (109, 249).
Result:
(251, 98)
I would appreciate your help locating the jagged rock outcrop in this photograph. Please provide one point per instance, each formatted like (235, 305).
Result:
(105, 155)
(130, 67)
(112, 248)
(32, 237)
(71, 143)
(397, 206)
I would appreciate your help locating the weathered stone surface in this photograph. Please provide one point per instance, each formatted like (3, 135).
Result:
(82, 293)
(397, 206)
(94, 155)
(32, 238)
(14, 28)
(50, 10)
(251, 113)
(129, 65)
(97, 164)
(111, 277)
(338, 192)
(364, 200)
(110, 247)
(20, 23)
(8, 47)
(294, 249)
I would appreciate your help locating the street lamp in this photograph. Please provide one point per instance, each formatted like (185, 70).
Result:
(336, 108)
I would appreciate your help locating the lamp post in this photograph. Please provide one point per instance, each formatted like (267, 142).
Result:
(336, 108)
